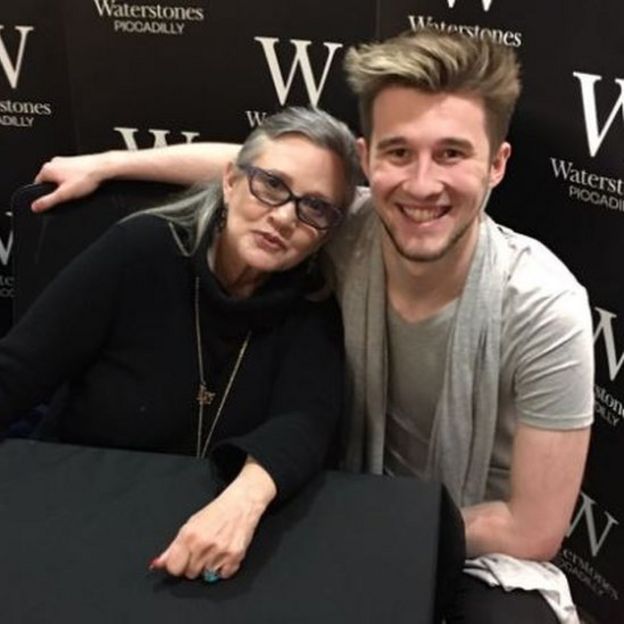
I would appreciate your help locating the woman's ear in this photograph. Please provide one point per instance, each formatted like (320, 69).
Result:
(227, 181)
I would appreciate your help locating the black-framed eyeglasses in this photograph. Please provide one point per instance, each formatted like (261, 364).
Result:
(273, 191)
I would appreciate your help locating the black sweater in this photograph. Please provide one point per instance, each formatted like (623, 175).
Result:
(118, 327)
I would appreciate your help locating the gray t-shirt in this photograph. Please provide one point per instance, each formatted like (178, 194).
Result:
(419, 348)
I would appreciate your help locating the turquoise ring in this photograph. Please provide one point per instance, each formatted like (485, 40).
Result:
(211, 576)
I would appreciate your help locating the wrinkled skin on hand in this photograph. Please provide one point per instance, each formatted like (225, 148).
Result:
(218, 535)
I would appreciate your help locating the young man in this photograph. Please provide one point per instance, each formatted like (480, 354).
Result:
(470, 346)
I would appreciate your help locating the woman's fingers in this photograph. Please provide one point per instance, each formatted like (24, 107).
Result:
(216, 538)
(206, 542)
(227, 570)
(175, 559)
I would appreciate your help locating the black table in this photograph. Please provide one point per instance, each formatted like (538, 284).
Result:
(78, 527)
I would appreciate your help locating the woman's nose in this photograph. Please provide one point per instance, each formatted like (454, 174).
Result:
(284, 217)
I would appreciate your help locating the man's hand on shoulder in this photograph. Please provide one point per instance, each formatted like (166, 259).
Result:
(183, 164)
(75, 176)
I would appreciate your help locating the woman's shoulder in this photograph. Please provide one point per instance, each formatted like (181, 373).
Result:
(142, 225)
(146, 233)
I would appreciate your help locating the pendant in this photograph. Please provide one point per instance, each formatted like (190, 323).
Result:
(204, 396)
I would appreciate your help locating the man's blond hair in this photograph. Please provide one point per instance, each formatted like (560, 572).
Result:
(435, 61)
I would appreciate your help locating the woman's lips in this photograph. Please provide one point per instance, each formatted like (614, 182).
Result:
(269, 241)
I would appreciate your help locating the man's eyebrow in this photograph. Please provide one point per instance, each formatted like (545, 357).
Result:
(393, 141)
(399, 141)
(464, 144)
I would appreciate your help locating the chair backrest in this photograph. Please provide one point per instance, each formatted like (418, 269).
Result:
(45, 243)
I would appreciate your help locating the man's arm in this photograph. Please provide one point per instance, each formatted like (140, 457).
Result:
(77, 176)
(546, 471)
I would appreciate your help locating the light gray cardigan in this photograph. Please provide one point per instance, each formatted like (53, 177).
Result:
(465, 420)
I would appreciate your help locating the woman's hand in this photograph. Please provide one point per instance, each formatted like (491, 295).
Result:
(76, 176)
(218, 535)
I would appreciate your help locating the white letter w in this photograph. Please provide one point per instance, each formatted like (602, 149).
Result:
(302, 60)
(595, 135)
(11, 70)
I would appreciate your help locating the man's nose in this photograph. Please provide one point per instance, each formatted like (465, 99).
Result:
(423, 179)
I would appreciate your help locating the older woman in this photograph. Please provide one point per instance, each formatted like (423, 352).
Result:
(201, 328)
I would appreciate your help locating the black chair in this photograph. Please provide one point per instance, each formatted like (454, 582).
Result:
(45, 243)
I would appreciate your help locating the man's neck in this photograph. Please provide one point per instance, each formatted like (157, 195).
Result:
(418, 290)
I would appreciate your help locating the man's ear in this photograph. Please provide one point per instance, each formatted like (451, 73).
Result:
(363, 153)
(499, 164)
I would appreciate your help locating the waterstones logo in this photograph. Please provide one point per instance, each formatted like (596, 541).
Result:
(159, 137)
(314, 80)
(604, 328)
(12, 65)
(597, 527)
(475, 31)
(301, 62)
(13, 113)
(153, 19)
(588, 186)
(608, 407)
(574, 565)
(6, 285)
(22, 114)
(486, 4)
(595, 134)
(5, 255)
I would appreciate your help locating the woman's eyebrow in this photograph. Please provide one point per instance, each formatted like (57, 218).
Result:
(289, 181)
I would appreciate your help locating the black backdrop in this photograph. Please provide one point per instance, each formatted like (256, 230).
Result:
(85, 75)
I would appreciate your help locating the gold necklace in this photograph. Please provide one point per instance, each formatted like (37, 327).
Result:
(204, 396)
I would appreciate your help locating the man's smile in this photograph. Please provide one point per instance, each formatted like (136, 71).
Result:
(422, 214)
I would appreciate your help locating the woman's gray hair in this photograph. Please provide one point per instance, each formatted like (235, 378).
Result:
(319, 127)
(193, 211)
